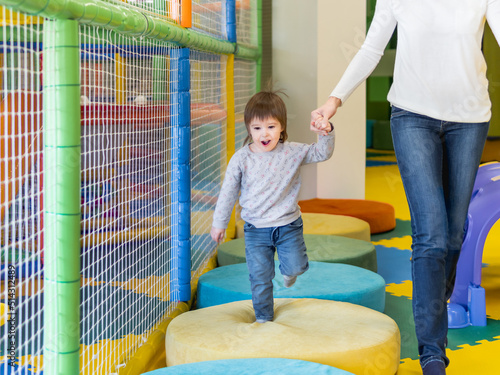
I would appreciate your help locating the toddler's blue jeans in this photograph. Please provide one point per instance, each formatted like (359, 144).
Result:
(260, 246)
(438, 162)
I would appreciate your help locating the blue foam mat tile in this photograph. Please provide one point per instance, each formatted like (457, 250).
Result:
(393, 264)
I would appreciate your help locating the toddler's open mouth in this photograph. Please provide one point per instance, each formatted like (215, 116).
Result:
(265, 143)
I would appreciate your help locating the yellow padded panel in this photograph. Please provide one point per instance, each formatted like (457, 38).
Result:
(338, 225)
(339, 334)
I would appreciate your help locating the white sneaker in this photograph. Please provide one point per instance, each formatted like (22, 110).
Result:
(289, 280)
(261, 321)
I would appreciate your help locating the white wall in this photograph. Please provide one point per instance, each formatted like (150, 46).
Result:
(313, 42)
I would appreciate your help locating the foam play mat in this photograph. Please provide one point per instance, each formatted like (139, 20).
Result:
(339, 334)
(250, 366)
(338, 225)
(337, 282)
(379, 215)
(320, 248)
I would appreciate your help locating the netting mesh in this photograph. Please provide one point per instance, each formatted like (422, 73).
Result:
(21, 184)
(244, 87)
(209, 17)
(246, 21)
(208, 145)
(167, 8)
(126, 193)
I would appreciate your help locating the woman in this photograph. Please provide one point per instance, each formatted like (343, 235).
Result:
(439, 121)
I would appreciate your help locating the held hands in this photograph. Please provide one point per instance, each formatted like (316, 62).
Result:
(320, 116)
(322, 126)
(217, 234)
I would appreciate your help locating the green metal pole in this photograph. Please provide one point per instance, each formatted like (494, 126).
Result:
(122, 19)
(259, 44)
(61, 94)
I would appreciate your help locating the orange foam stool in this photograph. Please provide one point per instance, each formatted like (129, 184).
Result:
(379, 215)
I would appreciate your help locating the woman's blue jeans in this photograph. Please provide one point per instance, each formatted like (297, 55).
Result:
(438, 162)
(260, 245)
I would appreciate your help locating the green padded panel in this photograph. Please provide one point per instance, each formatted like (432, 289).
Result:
(382, 138)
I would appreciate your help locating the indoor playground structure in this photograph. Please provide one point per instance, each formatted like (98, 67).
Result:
(117, 120)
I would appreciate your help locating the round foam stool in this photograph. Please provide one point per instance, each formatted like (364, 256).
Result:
(337, 282)
(339, 225)
(339, 334)
(250, 366)
(320, 248)
(381, 216)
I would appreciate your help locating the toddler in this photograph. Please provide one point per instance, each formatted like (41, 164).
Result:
(266, 172)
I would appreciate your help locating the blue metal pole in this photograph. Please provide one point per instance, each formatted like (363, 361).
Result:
(231, 20)
(181, 174)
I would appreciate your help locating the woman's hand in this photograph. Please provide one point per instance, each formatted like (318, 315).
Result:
(320, 116)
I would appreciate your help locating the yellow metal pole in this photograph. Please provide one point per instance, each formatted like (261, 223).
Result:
(230, 132)
(120, 72)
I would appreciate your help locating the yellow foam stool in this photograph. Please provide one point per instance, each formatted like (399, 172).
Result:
(338, 225)
(339, 334)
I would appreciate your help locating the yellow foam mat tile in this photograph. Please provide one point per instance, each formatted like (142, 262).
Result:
(402, 243)
(384, 184)
(480, 359)
(385, 152)
(400, 290)
(389, 158)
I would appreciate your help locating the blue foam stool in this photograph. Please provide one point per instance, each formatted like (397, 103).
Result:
(468, 302)
(329, 281)
(250, 366)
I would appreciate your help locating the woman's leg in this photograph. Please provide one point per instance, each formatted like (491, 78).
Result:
(419, 151)
(426, 151)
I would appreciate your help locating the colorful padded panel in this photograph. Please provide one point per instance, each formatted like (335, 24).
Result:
(379, 215)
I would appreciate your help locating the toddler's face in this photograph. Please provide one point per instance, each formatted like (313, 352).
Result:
(265, 134)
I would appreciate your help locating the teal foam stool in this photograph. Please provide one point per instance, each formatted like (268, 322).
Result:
(320, 248)
(329, 281)
(250, 366)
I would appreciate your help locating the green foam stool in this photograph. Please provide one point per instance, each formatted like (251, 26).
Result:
(320, 248)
